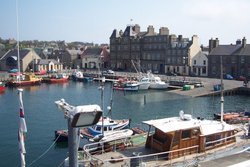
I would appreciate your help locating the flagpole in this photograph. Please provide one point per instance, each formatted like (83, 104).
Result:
(22, 130)
(18, 53)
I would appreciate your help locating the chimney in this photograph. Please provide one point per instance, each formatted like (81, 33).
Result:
(137, 28)
(150, 30)
(179, 37)
(244, 42)
(238, 42)
(164, 31)
(213, 43)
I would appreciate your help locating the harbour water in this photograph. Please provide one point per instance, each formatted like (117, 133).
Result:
(43, 117)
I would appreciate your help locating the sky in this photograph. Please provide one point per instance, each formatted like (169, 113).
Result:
(94, 20)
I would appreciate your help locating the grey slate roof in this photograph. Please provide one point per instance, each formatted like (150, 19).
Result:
(225, 50)
(244, 50)
(93, 51)
(47, 61)
(22, 53)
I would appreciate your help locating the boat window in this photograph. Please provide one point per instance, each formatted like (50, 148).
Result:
(195, 132)
(105, 128)
(176, 139)
(186, 134)
(98, 128)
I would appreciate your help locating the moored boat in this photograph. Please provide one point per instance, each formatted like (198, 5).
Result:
(78, 76)
(107, 124)
(171, 139)
(56, 78)
(2, 87)
(24, 80)
(125, 85)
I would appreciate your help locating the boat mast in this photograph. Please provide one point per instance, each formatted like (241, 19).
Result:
(222, 88)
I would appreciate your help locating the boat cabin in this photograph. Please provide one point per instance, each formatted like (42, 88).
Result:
(184, 135)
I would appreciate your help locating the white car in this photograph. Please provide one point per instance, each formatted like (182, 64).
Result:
(108, 72)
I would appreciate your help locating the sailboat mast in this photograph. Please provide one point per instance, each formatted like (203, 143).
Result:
(222, 89)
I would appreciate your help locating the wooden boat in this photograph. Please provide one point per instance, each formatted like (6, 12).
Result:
(56, 78)
(234, 117)
(171, 139)
(2, 87)
(24, 80)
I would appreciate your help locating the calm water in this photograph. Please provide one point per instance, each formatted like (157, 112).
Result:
(43, 117)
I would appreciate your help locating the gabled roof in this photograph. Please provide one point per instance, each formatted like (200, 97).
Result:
(225, 49)
(93, 51)
(13, 53)
(244, 50)
(47, 61)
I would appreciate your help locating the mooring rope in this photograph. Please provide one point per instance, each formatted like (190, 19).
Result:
(45, 152)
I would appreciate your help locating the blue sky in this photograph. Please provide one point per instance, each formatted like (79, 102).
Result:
(94, 20)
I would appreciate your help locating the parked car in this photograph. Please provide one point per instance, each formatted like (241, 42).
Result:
(171, 73)
(228, 76)
(241, 78)
(111, 72)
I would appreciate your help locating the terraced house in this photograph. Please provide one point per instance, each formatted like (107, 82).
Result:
(159, 52)
(235, 58)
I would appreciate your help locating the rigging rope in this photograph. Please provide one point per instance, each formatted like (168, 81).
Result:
(45, 152)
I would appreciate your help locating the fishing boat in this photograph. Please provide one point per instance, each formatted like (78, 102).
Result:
(125, 85)
(56, 78)
(24, 80)
(2, 87)
(78, 76)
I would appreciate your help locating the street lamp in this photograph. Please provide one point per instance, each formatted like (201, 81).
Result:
(79, 116)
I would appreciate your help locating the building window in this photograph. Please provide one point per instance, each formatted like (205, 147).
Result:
(204, 70)
(233, 59)
(204, 62)
(194, 62)
(242, 59)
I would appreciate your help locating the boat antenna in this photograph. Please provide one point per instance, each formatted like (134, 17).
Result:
(18, 53)
(222, 89)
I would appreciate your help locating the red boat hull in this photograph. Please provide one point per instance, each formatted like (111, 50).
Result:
(2, 89)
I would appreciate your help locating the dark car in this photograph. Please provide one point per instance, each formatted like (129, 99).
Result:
(171, 73)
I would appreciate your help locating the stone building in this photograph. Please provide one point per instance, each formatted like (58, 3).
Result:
(28, 58)
(158, 52)
(235, 58)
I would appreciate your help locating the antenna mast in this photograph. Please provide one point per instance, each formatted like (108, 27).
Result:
(222, 89)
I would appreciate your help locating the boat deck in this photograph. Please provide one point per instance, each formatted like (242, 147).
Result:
(236, 160)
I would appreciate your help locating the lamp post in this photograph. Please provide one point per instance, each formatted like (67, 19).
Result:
(79, 116)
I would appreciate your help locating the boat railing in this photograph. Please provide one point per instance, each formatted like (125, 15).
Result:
(153, 158)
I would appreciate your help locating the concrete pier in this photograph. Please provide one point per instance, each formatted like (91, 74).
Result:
(231, 87)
